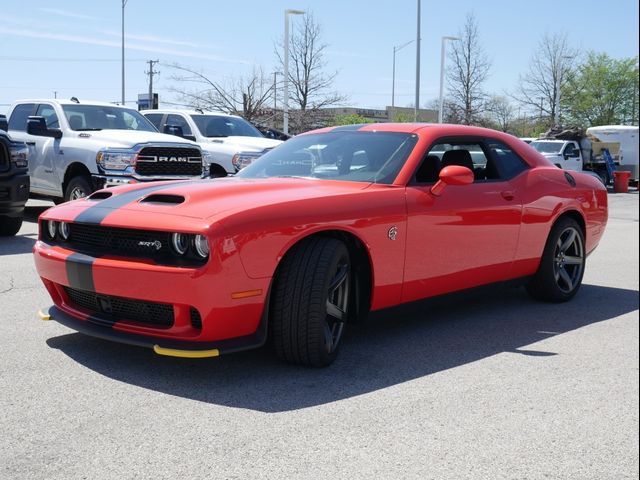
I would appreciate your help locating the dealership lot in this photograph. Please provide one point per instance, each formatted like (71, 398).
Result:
(488, 384)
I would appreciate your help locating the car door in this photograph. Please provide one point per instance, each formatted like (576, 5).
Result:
(50, 168)
(468, 235)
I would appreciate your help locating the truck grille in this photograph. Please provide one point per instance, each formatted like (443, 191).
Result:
(119, 308)
(4, 158)
(169, 161)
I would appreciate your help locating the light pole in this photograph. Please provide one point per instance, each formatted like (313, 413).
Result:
(415, 111)
(442, 54)
(393, 80)
(559, 73)
(285, 107)
(124, 4)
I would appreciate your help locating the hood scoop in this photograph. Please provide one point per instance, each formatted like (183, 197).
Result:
(163, 199)
(101, 195)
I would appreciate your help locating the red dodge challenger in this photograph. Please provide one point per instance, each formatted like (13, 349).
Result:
(315, 234)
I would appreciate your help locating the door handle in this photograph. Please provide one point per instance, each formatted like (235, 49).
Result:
(508, 195)
(32, 144)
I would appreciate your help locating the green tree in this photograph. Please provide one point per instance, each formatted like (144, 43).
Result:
(602, 91)
(349, 119)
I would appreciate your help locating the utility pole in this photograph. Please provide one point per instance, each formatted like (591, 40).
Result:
(417, 106)
(151, 73)
(275, 97)
(124, 4)
(55, 94)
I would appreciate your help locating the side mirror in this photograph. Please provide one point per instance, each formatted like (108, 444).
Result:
(452, 175)
(4, 125)
(173, 130)
(38, 126)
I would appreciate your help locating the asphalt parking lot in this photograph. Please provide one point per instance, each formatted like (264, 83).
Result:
(484, 385)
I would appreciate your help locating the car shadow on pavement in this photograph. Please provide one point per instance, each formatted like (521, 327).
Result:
(17, 245)
(394, 346)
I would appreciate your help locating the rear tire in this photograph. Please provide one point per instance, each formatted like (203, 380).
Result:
(311, 302)
(78, 187)
(9, 226)
(561, 269)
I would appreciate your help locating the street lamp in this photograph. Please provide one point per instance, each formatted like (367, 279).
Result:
(124, 4)
(442, 52)
(417, 106)
(285, 107)
(393, 81)
(559, 73)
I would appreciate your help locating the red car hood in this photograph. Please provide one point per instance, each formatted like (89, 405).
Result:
(209, 200)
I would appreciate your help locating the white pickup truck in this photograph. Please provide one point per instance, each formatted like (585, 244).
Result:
(230, 141)
(77, 147)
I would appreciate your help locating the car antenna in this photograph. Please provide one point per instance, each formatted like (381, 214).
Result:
(74, 99)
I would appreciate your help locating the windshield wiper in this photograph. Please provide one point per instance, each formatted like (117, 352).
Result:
(87, 129)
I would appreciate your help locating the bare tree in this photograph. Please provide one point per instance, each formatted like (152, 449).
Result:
(549, 69)
(246, 96)
(311, 88)
(468, 71)
(501, 112)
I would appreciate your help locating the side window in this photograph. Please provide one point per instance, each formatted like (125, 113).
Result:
(18, 119)
(504, 163)
(155, 118)
(179, 121)
(49, 114)
(570, 150)
(465, 154)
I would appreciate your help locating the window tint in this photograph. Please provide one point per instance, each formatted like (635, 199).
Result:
(155, 118)
(49, 114)
(18, 119)
(224, 126)
(465, 154)
(178, 120)
(507, 163)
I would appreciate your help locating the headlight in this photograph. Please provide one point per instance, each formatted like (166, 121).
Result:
(63, 228)
(180, 243)
(51, 228)
(19, 155)
(242, 159)
(202, 245)
(207, 160)
(115, 159)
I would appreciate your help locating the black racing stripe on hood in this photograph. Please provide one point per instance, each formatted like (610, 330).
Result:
(97, 213)
(80, 271)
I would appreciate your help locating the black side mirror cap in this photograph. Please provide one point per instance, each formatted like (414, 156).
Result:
(38, 126)
(4, 125)
(173, 130)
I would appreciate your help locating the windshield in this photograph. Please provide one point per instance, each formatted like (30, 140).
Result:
(213, 126)
(547, 147)
(100, 117)
(339, 155)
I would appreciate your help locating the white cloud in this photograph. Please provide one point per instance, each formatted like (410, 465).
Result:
(110, 43)
(66, 13)
(152, 39)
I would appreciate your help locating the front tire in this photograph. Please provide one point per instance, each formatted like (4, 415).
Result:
(78, 187)
(9, 226)
(311, 302)
(561, 269)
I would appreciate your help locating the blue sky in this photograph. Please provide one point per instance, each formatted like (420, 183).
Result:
(73, 47)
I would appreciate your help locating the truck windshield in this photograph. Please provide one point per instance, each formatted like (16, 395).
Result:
(547, 147)
(213, 126)
(340, 155)
(102, 117)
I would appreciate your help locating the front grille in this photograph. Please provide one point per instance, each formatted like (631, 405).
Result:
(4, 158)
(118, 241)
(169, 161)
(119, 308)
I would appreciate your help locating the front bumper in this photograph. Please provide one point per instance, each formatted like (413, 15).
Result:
(14, 193)
(162, 346)
(108, 181)
(229, 322)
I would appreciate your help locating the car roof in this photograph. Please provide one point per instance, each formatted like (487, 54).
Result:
(188, 112)
(71, 102)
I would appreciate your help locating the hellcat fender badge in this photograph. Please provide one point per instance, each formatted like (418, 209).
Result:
(393, 233)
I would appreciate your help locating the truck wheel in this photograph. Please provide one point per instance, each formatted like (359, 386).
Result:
(604, 176)
(559, 275)
(9, 226)
(78, 187)
(310, 303)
